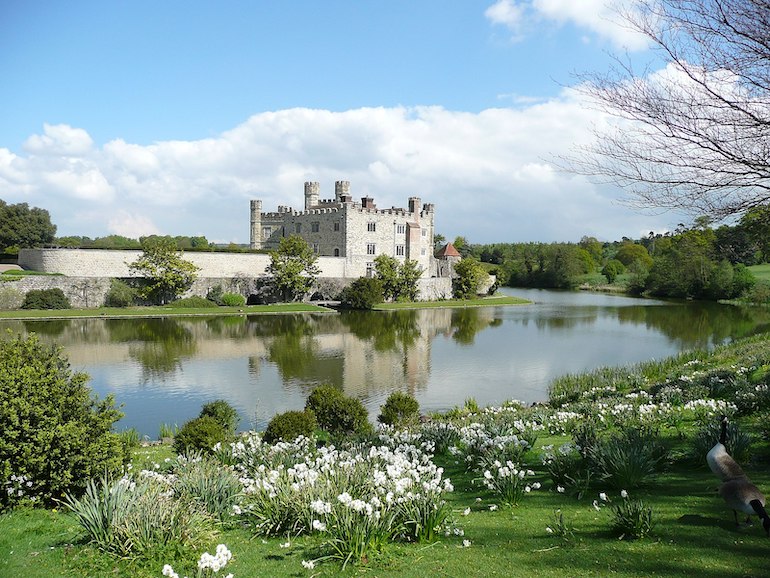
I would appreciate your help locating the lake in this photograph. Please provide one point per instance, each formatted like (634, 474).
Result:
(163, 370)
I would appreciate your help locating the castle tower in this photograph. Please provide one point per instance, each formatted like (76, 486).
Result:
(415, 207)
(312, 194)
(341, 189)
(255, 238)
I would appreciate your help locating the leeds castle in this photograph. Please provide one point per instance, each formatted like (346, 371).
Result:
(346, 235)
(354, 231)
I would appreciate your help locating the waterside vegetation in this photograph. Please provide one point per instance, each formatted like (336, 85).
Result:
(607, 477)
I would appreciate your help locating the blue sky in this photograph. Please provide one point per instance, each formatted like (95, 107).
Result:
(143, 117)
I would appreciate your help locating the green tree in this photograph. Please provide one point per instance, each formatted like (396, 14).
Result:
(630, 252)
(409, 273)
(167, 275)
(612, 269)
(470, 273)
(22, 226)
(293, 267)
(54, 432)
(399, 280)
(386, 270)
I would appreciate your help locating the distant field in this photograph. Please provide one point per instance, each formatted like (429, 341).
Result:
(761, 271)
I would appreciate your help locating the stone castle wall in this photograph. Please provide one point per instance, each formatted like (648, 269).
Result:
(92, 291)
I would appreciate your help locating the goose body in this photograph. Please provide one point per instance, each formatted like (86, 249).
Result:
(736, 488)
(721, 462)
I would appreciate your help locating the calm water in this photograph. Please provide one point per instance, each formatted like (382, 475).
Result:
(163, 370)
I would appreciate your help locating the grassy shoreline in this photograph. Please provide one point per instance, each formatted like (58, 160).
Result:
(274, 309)
(693, 527)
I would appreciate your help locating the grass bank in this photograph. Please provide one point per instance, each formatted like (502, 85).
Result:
(561, 528)
(161, 311)
(492, 301)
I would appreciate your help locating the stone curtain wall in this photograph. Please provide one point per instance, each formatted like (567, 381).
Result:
(107, 263)
(91, 291)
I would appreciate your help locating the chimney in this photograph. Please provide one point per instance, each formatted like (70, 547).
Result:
(367, 203)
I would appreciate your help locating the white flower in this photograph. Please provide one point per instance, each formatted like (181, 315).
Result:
(603, 497)
(596, 506)
(169, 571)
(560, 489)
(623, 494)
(492, 507)
(319, 525)
(466, 543)
(309, 564)
(549, 529)
(285, 545)
(466, 511)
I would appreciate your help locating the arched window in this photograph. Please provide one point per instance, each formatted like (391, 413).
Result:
(336, 251)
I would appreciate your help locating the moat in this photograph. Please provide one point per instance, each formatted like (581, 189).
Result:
(163, 370)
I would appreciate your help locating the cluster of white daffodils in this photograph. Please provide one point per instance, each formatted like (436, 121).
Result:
(478, 445)
(19, 486)
(326, 488)
(207, 562)
(509, 481)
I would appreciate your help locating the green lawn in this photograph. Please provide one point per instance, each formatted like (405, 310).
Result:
(761, 272)
(694, 533)
(480, 302)
(160, 311)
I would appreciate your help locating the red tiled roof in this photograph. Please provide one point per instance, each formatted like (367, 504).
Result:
(448, 250)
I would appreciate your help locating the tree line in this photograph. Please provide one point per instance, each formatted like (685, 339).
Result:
(698, 262)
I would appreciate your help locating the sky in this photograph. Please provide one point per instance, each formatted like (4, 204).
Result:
(141, 117)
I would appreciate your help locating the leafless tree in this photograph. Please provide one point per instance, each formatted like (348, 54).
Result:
(693, 135)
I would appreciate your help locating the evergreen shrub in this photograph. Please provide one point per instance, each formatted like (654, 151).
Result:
(54, 435)
(121, 294)
(199, 434)
(224, 413)
(400, 409)
(45, 299)
(193, 302)
(288, 426)
(336, 413)
(233, 300)
(363, 293)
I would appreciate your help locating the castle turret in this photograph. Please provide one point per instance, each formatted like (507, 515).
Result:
(342, 189)
(312, 194)
(255, 238)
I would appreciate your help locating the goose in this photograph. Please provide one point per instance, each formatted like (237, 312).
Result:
(720, 462)
(736, 488)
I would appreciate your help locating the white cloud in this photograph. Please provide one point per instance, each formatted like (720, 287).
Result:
(600, 17)
(59, 140)
(487, 173)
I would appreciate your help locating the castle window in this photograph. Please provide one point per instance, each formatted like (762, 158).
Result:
(316, 248)
(370, 249)
(423, 251)
(315, 226)
(336, 226)
(336, 251)
(425, 232)
(266, 232)
(399, 250)
(298, 228)
(400, 229)
(370, 269)
(371, 226)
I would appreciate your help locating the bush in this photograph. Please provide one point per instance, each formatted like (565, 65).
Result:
(628, 458)
(233, 300)
(363, 293)
(215, 294)
(336, 413)
(121, 294)
(10, 298)
(45, 299)
(54, 433)
(737, 442)
(199, 434)
(224, 413)
(288, 426)
(400, 409)
(193, 302)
